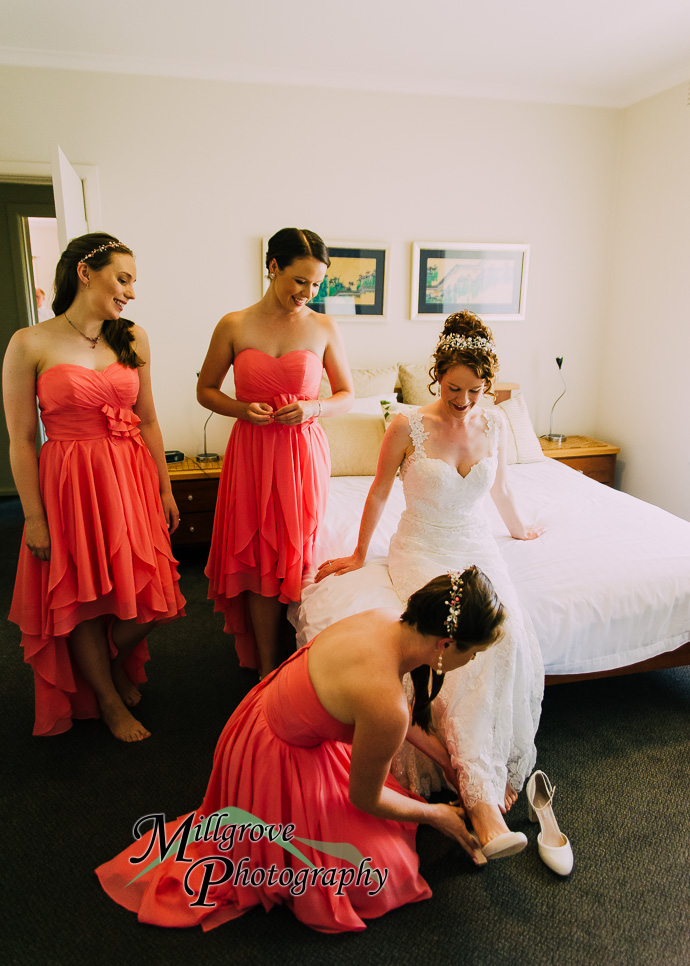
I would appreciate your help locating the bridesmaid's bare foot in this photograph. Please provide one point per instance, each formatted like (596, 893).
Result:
(487, 822)
(125, 687)
(510, 799)
(123, 726)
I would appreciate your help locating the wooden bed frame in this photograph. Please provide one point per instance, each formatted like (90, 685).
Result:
(678, 658)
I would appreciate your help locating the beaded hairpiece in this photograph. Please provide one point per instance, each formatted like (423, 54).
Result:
(468, 342)
(103, 248)
(454, 602)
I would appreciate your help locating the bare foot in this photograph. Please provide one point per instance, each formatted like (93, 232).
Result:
(123, 726)
(125, 687)
(510, 799)
(487, 821)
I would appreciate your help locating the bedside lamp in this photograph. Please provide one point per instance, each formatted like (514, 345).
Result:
(557, 437)
(206, 457)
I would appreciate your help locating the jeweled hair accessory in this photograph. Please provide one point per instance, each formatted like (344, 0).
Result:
(472, 343)
(103, 248)
(454, 602)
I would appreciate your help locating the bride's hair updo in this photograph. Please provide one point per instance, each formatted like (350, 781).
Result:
(465, 341)
(475, 621)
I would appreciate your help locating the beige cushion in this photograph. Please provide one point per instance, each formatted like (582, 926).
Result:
(414, 381)
(354, 440)
(522, 442)
(367, 382)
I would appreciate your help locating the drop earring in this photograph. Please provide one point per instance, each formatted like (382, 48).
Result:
(439, 665)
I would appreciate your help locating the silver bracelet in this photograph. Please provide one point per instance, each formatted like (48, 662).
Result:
(319, 412)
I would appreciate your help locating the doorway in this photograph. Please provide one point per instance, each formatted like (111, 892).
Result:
(22, 270)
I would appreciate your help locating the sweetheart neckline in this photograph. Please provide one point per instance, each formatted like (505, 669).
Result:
(251, 348)
(436, 459)
(76, 365)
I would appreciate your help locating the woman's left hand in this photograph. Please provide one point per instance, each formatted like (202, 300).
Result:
(297, 412)
(172, 514)
(530, 532)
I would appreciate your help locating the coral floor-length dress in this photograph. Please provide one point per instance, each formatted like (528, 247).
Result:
(282, 760)
(110, 549)
(272, 494)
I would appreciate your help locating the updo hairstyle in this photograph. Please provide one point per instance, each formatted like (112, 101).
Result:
(481, 360)
(479, 624)
(116, 332)
(289, 244)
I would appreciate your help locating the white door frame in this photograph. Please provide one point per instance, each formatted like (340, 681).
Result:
(39, 172)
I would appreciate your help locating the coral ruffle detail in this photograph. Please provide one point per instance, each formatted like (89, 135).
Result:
(110, 548)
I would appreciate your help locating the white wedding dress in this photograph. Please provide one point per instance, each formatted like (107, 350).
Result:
(487, 713)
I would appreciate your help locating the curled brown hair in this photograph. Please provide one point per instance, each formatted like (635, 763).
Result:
(479, 624)
(481, 359)
(95, 249)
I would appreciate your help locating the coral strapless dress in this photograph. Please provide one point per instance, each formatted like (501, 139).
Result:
(282, 760)
(272, 494)
(110, 548)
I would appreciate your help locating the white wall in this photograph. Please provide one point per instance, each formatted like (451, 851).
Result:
(644, 403)
(193, 174)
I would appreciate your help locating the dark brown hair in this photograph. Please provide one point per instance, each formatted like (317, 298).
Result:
(87, 248)
(479, 624)
(291, 243)
(482, 361)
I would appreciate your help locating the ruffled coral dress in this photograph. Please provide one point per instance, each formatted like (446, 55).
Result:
(110, 548)
(282, 760)
(271, 496)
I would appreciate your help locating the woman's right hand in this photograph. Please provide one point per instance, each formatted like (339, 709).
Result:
(341, 565)
(449, 819)
(260, 414)
(37, 539)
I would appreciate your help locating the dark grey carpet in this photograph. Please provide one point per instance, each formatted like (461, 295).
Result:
(618, 751)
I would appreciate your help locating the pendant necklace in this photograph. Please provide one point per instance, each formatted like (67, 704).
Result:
(88, 338)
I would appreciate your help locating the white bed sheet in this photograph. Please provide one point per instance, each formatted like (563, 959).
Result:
(606, 586)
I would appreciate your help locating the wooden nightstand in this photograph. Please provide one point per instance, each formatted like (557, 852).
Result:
(586, 455)
(195, 488)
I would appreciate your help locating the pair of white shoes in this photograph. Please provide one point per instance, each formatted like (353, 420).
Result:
(554, 848)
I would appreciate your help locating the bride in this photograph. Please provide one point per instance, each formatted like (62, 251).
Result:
(450, 454)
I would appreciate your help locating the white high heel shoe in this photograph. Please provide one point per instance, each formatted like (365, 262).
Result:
(554, 848)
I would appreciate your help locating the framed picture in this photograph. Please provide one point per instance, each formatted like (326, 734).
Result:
(355, 283)
(490, 280)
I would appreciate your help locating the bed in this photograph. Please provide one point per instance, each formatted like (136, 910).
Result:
(607, 586)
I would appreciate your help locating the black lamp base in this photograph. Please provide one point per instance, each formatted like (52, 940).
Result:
(207, 457)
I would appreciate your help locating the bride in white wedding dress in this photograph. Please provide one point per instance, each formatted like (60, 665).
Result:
(450, 454)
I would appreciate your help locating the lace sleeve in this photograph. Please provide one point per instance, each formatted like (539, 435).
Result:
(493, 428)
(417, 433)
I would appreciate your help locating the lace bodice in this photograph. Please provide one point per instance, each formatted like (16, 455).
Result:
(435, 492)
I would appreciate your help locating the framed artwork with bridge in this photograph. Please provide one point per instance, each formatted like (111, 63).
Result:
(488, 279)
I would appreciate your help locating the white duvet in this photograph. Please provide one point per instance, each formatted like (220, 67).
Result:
(607, 585)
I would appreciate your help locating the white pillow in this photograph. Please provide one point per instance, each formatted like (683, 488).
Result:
(372, 404)
(523, 445)
(392, 408)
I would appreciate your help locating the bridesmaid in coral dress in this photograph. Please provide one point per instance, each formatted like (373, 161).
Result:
(96, 571)
(274, 484)
(301, 808)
